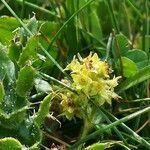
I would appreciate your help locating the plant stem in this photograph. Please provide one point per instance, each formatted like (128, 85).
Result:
(57, 81)
(109, 121)
(86, 128)
(137, 100)
(108, 46)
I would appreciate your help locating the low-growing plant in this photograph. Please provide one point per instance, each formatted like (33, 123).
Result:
(84, 104)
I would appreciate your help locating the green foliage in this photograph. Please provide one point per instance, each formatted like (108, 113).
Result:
(7, 26)
(29, 52)
(97, 146)
(139, 77)
(10, 143)
(139, 57)
(7, 69)
(120, 45)
(129, 67)
(25, 80)
(43, 110)
(15, 86)
(37, 95)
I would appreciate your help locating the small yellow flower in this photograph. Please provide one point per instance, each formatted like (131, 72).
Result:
(91, 80)
(69, 106)
(74, 66)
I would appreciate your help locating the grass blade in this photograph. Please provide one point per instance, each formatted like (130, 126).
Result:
(130, 131)
(64, 25)
(118, 122)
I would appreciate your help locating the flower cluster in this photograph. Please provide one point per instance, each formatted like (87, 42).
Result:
(91, 80)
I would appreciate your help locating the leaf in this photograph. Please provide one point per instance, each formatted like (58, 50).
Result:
(147, 44)
(42, 86)
(97, 146)
(72, 39)
(120, 45)
(142, 75)
(29, 52)
(139, 57)
(10, 144)
(7, 67)
(22, 35)
(14, 51)
(129, 67)
(32, 25)
(25, 80)
(7, 26)
(43, 110)
(13, 120)
(95, 22)
(27, 133)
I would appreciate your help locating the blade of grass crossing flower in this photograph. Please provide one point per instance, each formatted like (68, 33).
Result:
(57, 81)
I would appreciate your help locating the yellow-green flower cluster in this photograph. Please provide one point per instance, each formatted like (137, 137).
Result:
(91, 80)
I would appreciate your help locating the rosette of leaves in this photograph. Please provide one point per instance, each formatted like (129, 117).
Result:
(18, 129)
(18, 64)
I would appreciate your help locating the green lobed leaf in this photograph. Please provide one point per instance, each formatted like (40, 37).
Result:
(14, 51)
(142, 75)
(43, 110)
(7, 26)
(120, 45)
(139, 57)
(25, 80)
(28, 133)
(10, 143)
(129, 67)
(33, 25)
(22, 35)
(29, 51)
(13, 120)
(7, 67)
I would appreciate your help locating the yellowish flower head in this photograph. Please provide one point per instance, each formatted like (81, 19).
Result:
(91, 80)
